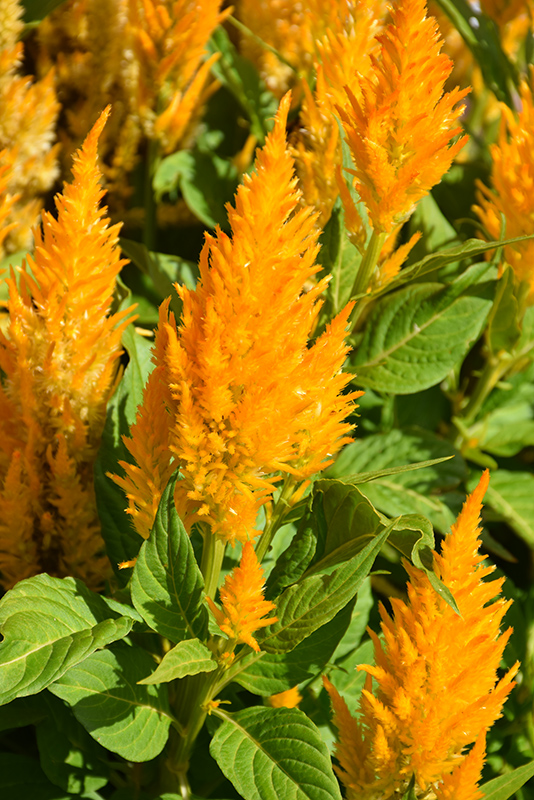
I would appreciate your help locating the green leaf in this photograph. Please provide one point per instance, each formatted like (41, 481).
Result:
(167, 585)
(273, 753)
(23, 711)
(358, 621)
(510, 494)
(339, 257)
(294, 560)
(122, 541)
(267, 673)
(346, 678)
(405, 491)
(22, 778)
(242, 79)
(416, 335)
(505, 786)
(188, 658)
(70, 758)
(104, 694)
(37, 10)
(49, 625)
(315, 600)
(163, 270)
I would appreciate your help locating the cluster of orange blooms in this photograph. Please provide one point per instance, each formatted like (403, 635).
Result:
(239, 398)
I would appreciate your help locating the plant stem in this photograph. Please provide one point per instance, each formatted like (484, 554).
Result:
(365, 272)
(279, 512)
(212, 558)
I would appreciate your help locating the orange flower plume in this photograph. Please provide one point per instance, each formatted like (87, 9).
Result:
(513, 181)
(400, 132)
(247, 398)
(436, 673)
(59, 357)
(243, 606)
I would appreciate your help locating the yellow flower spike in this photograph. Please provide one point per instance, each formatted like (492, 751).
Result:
(59, 355)
(400, 132)
(247, 398)
(436, 675)
(513, 183)
(243, 606)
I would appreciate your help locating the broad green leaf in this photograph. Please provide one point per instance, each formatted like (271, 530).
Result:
(188, 658)
(22, 778)
(70, 758)
(435, 228)
(339, 257)
(505, 786)
(104, 694)
(416, 335)
(242, 79)
(511, 495)
(23, 711)
(267, 673)
(37, 10)
(307, 605)
(167, 585)
(294, 560)
(358, 621)
(270, 754)
(122, 541)
(406, 491)
(49, 625)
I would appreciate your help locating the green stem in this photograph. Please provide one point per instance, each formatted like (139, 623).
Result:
(276, 520)
(149, 232)
(212, 558)
(367, 267)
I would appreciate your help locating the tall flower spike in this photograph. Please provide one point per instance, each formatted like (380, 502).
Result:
(243, 605)
(436, 675)
(400, 133)
(513, 183)
(59, 356)
(247, 398)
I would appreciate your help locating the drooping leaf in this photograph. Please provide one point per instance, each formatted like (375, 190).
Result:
(272, 753)
(122, 716)
(122, 541)
(505, 786)
(315, 600)
(167, 585)
(49, 625)
(70, 758)
(188, 658)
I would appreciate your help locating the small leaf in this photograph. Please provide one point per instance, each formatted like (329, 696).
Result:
(270, 754)
(49, 625)
(122, 716)
(167, 585)
(505, 786)
(315, 600)
(188, 658)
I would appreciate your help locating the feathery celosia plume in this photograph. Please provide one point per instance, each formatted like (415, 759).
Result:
(436, 676)
(59, 356)
(170, 38)
(243, 605)
(513, 183)
(247, 397)
(28, 113)
(400, 132)
(343, 55)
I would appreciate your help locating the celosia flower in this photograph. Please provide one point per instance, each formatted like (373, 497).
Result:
(243, 605)
(400, 132)
(59, 356)
(246, 395)
(28, 113)
(513, 184)
(436, 675)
